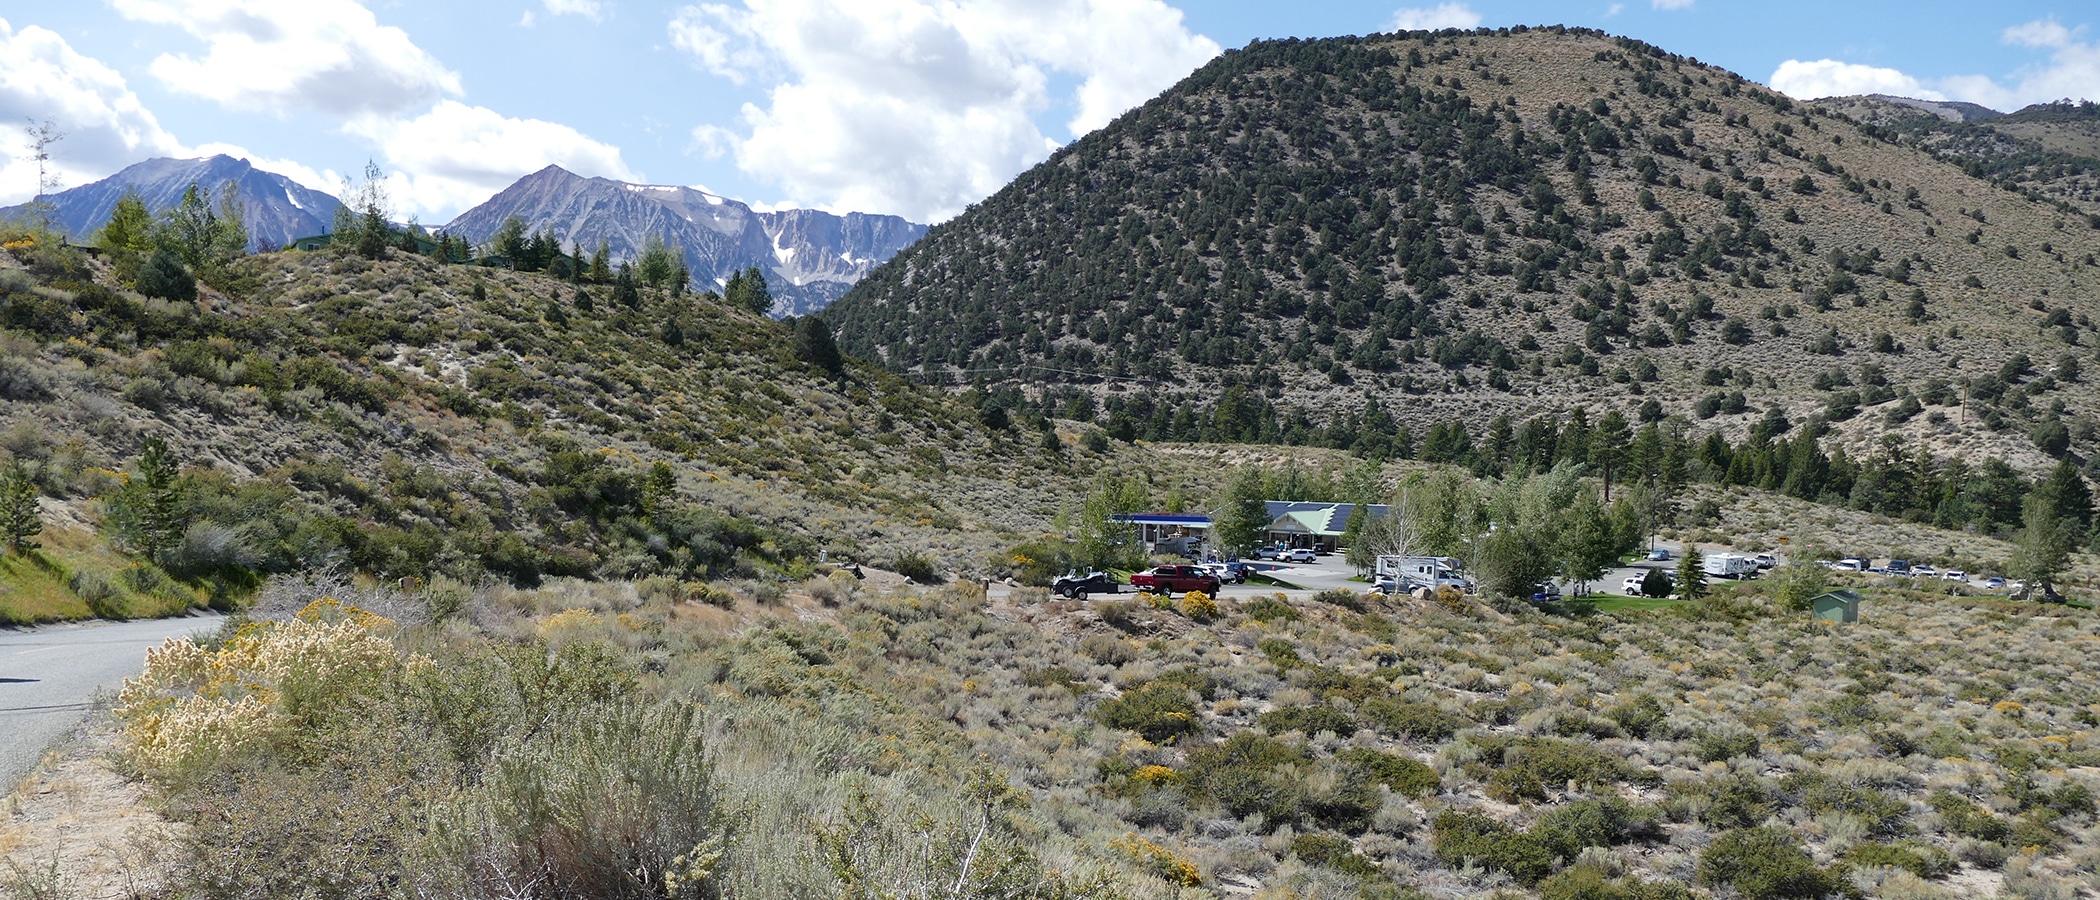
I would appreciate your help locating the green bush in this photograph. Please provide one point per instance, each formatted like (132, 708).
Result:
(1715, 747)
(163, 276)
(1763, 864)
(918, 567)
(1269, 609)
(1584, 882)
(1405, 776)
(1334, 852)
(1471, 837)
(1250, 773)
(1342, 597)
(1885, 815)
(1924, 862)
(1308, 719)
(1738, 802)
(1639, 716)
(1159, 710)
(102, 597)
(1600, 822)
(1414, 721)
(1281, 653)
(1967, 819)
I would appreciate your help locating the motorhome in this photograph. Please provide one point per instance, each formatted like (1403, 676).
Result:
(1730, 565)
(1423, 571)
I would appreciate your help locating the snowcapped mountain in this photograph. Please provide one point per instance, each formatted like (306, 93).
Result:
(278, 208)
(809, 257)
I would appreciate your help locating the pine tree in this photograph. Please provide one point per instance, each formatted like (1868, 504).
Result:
(601, 263)
(20, 520)
(624, 292)
(160, 504)
(1691, 574)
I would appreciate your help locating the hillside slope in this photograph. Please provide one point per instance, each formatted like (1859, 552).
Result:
(2051, 150)
(410, 419)
(809, 257)
(1466, 225)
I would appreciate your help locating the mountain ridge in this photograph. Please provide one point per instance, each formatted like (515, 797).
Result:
(278, 209)
(810, 257)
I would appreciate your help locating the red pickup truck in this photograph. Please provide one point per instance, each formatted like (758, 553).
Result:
(1170, 579)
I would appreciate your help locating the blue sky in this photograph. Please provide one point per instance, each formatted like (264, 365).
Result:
(911, 107)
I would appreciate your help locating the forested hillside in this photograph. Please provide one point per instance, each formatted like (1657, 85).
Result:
(406, 418)
(1355, 240)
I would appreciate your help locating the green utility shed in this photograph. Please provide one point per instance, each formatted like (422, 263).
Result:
(1836, 606)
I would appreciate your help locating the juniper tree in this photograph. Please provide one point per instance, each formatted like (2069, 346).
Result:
(20, 520)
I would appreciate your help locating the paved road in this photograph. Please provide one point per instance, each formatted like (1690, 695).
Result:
(48, 674)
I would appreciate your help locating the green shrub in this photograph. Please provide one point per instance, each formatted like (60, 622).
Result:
(1716, 747)
(1334, 852)
(102, 597)
(918, 567)
(1250, 773)
(1883, 814)
(1553, 761)
(1585, 882)
(1342, 597)
(1967, 819)
(1414, 721)
(1159, 710)
(1639, 716)
(163, 276)
(1471, 837)
(1738, 802)
(1308, 719)
(1405, 776)
(1281, 653)
(1600, 822)
(1924, 862)
(1763, 864)
(601, 807)
(1269, 609)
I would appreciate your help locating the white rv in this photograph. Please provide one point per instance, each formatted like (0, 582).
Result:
(1409, 572)
(1730, 565)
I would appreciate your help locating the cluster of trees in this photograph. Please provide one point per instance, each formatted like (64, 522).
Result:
(162, 256)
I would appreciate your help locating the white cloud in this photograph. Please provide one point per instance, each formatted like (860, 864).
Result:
(106, 127)
(2072, 71)
(329, 56)
(589, 9)
(1449, 15)
(1614, 10)
(1831, 78)
(456, 155)
(2039, 33)
(1673, 4)
(920, 107)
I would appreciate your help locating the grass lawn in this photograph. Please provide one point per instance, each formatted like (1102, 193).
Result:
(1612, 603)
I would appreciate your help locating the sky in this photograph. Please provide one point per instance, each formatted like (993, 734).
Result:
(915, 108)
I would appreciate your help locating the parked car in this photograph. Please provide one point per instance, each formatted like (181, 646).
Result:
(1631, 587)
(1301, 555)
(1173, 579)
(1273, 552)
(1235, 572)
(1076, 586)
(1545, 590)
(1994, 583)
(1658, 555)
(1955, 575)
(1897, 567)
(1385, 584)
(1765, 560)
(1924, 571)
